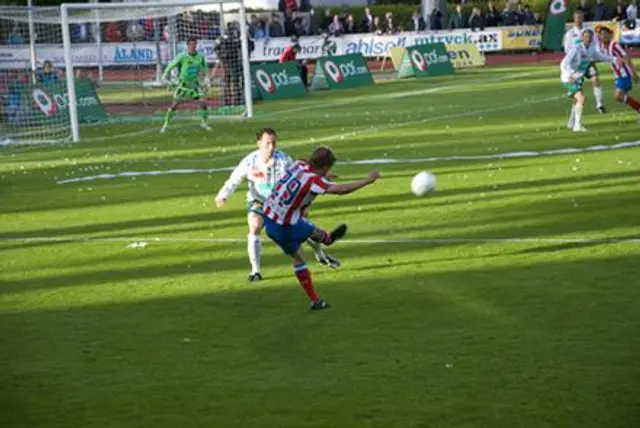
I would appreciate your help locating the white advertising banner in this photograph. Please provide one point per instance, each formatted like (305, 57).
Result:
(369, 45)
(630, 36)
(84, 55)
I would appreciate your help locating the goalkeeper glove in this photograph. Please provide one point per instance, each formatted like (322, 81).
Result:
(207, 82)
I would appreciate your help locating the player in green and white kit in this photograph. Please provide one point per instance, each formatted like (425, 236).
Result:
(191, 66)
(572, 37)
(573, 69)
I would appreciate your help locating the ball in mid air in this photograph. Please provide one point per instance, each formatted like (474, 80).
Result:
(423, 183)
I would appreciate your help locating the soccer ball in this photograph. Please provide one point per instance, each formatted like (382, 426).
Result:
(423, 183)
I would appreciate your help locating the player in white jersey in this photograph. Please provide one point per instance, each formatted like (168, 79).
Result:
(262, 169)
(573, 68)
(625, 73)
(571, 38)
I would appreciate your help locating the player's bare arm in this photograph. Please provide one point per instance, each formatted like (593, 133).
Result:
(233, 182)
(331, 176)
(346, 188)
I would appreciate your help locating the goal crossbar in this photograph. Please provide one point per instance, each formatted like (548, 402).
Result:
(150, 5)
(65, 8)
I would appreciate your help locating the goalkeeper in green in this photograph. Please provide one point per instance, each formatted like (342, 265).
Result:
(191, 66)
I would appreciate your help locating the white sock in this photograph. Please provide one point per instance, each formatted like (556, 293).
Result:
(572, 116)
(578, 114)
(254, 252)
(317, 248)
(597, 93)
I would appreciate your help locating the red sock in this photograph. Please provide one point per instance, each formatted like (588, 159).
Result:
(633, 103)
(327, 239)
(304, 277)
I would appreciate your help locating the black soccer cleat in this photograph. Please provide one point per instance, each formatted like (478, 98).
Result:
(602, 110)
(255, 277)
(328, 261)
(319, 305)
(338, 233)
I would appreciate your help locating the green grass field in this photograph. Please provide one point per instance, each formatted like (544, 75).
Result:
(509, 298)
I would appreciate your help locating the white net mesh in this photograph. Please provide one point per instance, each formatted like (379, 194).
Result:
(118, 56)
(33, 104)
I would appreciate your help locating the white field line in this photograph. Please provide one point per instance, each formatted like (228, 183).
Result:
(395, 125)
(368, 130)
(393, 95)
(383, 161)
(361, 131)
(288, 112)
(354, 100)
(374, 129)
(435, 241)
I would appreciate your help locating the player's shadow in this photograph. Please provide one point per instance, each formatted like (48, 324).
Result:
(394, 260)
(137, 226)
(406, 330)
(553, 217)
(442, 170)
(115, 192)
(440, 199)
(578, 245)
(530, 187)
(102, 273)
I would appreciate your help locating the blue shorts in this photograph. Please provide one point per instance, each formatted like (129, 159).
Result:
(289, 238)
(624, 84)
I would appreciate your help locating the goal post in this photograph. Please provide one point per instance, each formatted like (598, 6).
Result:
(71, 80)
(246, 66)
(33, 105)
(32, 40)
(112, 12)
(65, 66)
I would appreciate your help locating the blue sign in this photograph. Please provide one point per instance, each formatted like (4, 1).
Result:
(133, 55)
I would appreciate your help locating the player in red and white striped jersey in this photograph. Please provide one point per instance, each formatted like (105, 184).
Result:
(292, 196)
(263, 169)
(285, 212)
(625, 71)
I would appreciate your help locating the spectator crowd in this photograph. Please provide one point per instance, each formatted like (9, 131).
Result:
(600, 12)
(298, 18)
(344, 22)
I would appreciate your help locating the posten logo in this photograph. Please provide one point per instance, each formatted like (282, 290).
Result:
(265, 81)
(558, 7)
(333, 71)
(418, 60)
(45, 102)
(432, 58)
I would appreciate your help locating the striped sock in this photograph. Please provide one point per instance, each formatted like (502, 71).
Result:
(327, 239)
(304, 278)
(633, 103)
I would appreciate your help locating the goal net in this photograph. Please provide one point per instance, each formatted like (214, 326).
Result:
(65, 67)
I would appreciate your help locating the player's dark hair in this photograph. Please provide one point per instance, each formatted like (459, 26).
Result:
(604, 28)
(322, 157)
(192, 39)
(268, 131)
